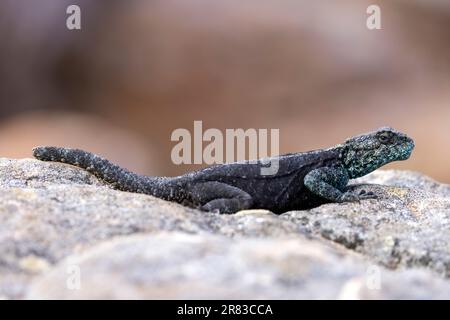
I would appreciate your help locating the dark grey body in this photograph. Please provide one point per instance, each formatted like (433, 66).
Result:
(278, 193)
(303, 180)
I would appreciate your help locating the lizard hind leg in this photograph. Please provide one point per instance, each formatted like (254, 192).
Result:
(221, 197)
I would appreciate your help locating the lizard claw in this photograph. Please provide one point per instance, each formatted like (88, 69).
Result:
(350, 197)
(367, 195)
(362, 195)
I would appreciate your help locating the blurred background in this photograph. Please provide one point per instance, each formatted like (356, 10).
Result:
(140, 69)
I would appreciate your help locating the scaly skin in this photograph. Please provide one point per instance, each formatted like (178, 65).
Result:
(304, 180)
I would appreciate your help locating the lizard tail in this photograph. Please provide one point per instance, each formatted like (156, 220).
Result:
(108, 172)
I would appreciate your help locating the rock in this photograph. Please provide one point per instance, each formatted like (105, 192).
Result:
(49, 210)
(181, 266)
(408, 226)
(136, 246)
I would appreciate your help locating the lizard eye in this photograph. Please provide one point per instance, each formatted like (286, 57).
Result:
(384, 137)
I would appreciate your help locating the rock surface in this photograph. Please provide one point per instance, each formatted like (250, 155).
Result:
(168, 265)
(407, 226)
(55, 219)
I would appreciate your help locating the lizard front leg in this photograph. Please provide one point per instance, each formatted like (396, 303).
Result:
(219, 196)
(330, 182)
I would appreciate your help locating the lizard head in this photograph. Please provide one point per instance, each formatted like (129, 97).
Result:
(367, 152)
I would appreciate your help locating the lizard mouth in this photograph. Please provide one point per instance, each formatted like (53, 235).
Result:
(405, 149)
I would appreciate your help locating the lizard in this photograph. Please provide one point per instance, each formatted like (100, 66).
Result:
(304, 180)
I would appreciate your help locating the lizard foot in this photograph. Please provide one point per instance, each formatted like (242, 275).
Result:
(226, 206)
(367, 195)
(353, 197)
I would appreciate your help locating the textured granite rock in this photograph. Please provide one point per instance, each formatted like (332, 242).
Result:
(137, 246)
(48, 211)
(182, 266)
(408, 226)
